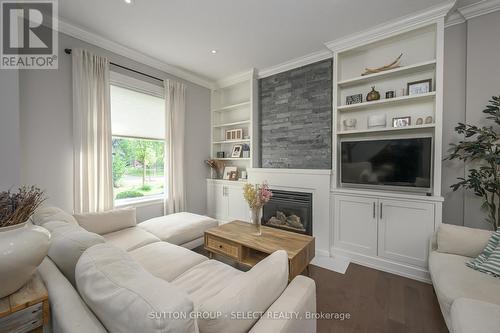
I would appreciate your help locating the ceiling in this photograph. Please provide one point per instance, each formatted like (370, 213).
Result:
(246, 34)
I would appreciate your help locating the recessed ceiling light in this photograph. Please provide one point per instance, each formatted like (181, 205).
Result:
(213, 51)
(128, 2)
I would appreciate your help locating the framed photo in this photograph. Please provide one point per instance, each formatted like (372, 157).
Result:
(401, 121)
(354, 99)
(237, 150)
(228, 170)
(233, 175)
(239, 133)
(228, 135)
(419, 87)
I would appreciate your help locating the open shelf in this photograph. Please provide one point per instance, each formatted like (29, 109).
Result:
(387, 101)
(386, 129)
(233, 159)
(233, 106)
(392, 72)
(230, 141)
(233, 124)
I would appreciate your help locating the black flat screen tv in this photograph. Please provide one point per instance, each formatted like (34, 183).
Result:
(399, 163)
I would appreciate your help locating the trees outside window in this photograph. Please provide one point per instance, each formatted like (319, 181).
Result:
(138, 167)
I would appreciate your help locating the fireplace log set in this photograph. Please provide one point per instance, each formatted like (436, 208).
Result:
(292, 221)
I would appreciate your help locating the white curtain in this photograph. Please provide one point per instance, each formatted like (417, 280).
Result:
(93, 186)
(175, 108)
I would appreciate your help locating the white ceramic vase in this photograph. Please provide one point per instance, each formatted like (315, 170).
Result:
(22, 249)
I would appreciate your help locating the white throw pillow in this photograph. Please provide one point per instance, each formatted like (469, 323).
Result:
(250, 293)
(67, 246)
(126, 298)
(105, 222)
(46, 214)
(462, 241)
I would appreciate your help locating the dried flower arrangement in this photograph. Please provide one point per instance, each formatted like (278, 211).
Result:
(257, 195)
(17, 208)
(217, 165)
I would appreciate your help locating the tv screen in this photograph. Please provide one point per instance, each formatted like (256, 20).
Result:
(399, 162)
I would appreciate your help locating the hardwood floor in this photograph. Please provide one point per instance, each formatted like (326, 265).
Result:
(376, 301)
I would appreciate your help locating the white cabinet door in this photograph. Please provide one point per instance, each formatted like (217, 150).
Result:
(355, 220)
(216, 201)
(405, 229)
(237, 207)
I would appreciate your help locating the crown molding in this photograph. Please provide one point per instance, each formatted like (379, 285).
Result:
(236, 78)
(479, 8)
(454, 19)
(394, 27)
(295, 63)
(97, 40)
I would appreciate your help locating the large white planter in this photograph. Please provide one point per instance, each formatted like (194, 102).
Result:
(22, 249)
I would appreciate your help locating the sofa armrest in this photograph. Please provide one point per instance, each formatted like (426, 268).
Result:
(68, 311)
(461, 241)
(299, 297)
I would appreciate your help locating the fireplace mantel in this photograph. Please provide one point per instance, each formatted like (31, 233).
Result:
(315, 181)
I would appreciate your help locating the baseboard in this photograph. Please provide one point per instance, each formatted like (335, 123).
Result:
(388, 266)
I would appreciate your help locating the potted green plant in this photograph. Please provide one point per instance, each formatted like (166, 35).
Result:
(482, 146)
(22, 244)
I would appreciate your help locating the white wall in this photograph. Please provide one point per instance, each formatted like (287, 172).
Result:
(46, 130)
(470, 86)
(10, 159)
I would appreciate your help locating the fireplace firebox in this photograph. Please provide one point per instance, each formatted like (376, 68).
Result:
(291, 211)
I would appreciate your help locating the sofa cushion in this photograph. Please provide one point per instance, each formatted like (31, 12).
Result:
(105, 222)
(249, 292)
(166, 261)
(179, 228)
(492, 264)
(126, 298)
(130, 238)
(487, 251)
(452, 280)
(67, 247)
(462, 241)
(473, 316)
(68, 311)
(46, 214)
(205, 280)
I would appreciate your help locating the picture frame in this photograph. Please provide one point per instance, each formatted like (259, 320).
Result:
(237, 150)
(354, 99)
(419, 87)
(234, 134)
(377, 120)
(399, 122)
(233, 175)
(228, 170)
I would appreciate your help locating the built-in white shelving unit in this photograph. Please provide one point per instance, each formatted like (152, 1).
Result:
(234, 106)
(386, 228)
(422, 49)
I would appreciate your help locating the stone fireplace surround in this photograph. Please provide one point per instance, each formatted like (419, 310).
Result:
(316, 182)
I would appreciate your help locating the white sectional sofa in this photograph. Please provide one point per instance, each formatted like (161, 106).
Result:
(469, 300)
(105, 273)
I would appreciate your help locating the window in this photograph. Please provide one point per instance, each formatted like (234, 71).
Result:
(138, 127)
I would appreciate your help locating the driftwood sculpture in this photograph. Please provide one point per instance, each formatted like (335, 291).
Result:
(392, 65)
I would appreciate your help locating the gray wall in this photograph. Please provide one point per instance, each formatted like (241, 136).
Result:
(296, 118)
(470, 80)
(10, 159)
(46, 131)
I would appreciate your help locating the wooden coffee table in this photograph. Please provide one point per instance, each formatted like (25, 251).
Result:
(236, 240)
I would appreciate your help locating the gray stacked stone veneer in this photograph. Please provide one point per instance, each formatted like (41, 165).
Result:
(296, 118)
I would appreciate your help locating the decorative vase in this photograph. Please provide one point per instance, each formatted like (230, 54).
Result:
(373, 95)
(256, 219)
(22, 249)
